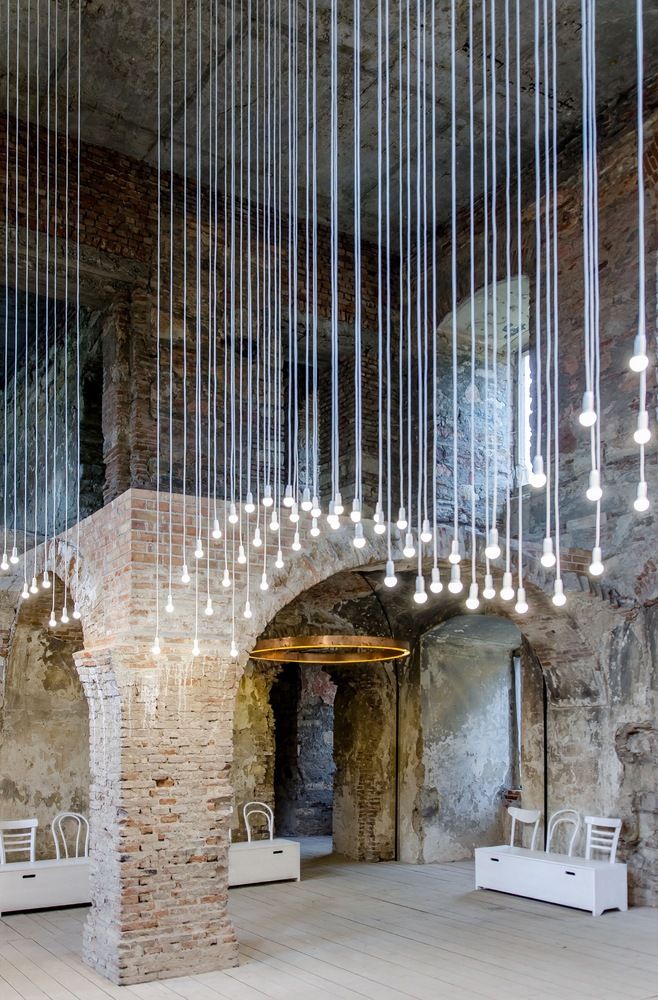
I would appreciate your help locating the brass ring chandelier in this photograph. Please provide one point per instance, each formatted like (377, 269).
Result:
(328, 649)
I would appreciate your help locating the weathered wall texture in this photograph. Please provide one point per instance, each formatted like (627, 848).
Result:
(303, 704)
(44, 725)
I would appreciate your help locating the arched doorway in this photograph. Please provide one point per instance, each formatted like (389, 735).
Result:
(44, 721)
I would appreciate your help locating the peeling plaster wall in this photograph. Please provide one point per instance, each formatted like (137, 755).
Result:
(44, 725)
(253, 743)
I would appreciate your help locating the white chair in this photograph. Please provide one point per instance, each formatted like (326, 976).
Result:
(603, 836)
(18, 836)
(566, 817)
(81, 843)
(251, 809)
(525, 817)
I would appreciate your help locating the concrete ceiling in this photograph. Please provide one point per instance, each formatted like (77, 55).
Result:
(119, 79)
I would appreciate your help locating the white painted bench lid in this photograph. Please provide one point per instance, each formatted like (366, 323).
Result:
(245, 845)
(30, 866)
(558, 859)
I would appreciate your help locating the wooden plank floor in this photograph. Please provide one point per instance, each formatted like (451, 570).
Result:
(378, 931)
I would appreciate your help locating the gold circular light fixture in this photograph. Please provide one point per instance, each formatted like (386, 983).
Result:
(328, 649)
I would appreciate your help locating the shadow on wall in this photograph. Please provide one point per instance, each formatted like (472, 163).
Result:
(44, 723)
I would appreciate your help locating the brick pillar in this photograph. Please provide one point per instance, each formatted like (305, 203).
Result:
(159, 805)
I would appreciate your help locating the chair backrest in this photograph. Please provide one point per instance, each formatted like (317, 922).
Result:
(258, 809)
(566, 817)
(524, 816)
(602, 836)
(18, 836)
(79, 845)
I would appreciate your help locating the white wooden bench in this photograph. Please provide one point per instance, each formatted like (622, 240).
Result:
(553, 878)
(256, 861)
(37, 885)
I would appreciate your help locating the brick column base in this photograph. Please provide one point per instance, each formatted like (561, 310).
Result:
(160, 802)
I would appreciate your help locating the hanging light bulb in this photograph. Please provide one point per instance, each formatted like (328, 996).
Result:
(642, 435)
(521, 605)
(257, 540)
(587, 416)
(169, 606)
(233, 650)
(4, 565)
(65, 616)
(45, 581)
(355, 513)
(208, 610)
(358, 540)
(559, 598)
(492, 550)
(639, 362)
(473, 601)
(420, 595)
(507, 590)
(409, 550)
(489, 591)
(25, 593)
(247, 613)
(198, 551)
(13, 558)
(594, 491)
(548, 556)
(249, 506)
(435, 585)
(338, 505)
(641, 502)
(332, 517)
(401, 522)
(316, 510)
(242, 558)
(294, 513)
(288, 498)
(537, 477)
(596, 566)
(296, 544)
(264, 585)
(390, 578)
(76, 612)
(274, 522)
(185, 576)
(34, 586)
(315, 528)
(232, 514)
(196, 650)
(426, 532)
(216, 530)
(307, 503)
(455, 556)
(455, 585)
(380, 527)
(52, 621)
(226, 579)
(279, 559)
(267, 496)
(155, 648)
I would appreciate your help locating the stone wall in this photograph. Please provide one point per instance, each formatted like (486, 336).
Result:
(44, 724)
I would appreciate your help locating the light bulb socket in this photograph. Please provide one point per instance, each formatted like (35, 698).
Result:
(264, 585)
(379, 513)
(596, 566)
(294, 513)
(409, 550)
(216, 530)
(639, 362)
(25, 593)
(64, 616)
(4, 565)
(316, 509)
(45, 581)
(226, 579)
(198, 551)
(492, 550)
(455, 555)
(521, 601)
(242, 558)
(34, 586)
(296, 544)
(52, 620)
(279, 559)
(359, 540)
(306, 503)
(426, 532)
(507, 589)
(274, 522)
(538, 476)
(249, 505)
(473, 601)
(208, 610)
(488, 591)
(169, 606)
(594, 491)
(338, 505)
(76, 613)
(420, 596)
(402, 519)
(185, 575)
(247, 613)
(642, 435)
(587, 415)
(315, 528)
(288, 498)
(232, 514)
(390, 579)
(435, 584)
(455, 586)
(559, 600)
(548, 556)
(267, 496)
(257, 540)
(13, 558)
(642, 499)
(355, 513)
